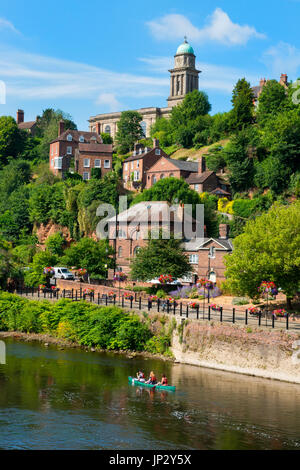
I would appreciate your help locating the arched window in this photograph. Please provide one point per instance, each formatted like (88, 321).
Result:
(162, 176)
(120, 252)
(154, 180)
(213, 277)
(171, 175)
(107, 130)
(144, 128)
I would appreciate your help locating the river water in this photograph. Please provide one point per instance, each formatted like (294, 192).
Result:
(72, 399)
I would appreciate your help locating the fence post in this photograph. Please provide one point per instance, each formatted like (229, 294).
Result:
(209, 313)
(180, 309)
(72, 294)
(158, 304)
(80, 293)
(131, 300)
(273, 320)
(287, 321)
(187, 311)
(64, 293)
(149, 305)
(233, 315)
(174, 309)
(246, 317)
(44, 293)
(76, 295)
(168, 306)
(98, 297)
(122, 300)
(197, 310)
(106, 300)
(32, 291)
(259, 319)
(115, 299)
(221, 314)
(38, 292)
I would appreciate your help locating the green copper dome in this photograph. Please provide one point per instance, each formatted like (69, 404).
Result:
(185, 48)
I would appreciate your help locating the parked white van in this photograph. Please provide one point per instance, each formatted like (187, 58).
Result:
(63, 273)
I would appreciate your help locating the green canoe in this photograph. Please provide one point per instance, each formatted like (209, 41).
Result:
(134, 381)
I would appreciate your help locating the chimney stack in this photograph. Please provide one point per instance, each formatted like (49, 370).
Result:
(201, 165)
(262, 82)
(283, 79)
(223, 231)
(155, 143)
(61, 128)
(20, 116)
(98, 128)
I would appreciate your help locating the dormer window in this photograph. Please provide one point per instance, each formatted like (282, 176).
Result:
(69, 138)
(157, 151)
(81, 139)
(141, 151)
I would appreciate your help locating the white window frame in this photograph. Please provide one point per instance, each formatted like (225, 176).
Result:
(86, 163)
(157, 152)
(138, 164)
(69, 138)
(86, 173)
(99, 163)
(69, 150)
(81, 139)
(58, 163)
(194, 259)
(106, 163)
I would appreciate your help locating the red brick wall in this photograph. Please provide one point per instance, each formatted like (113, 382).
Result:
(92, 157)
(146, 161)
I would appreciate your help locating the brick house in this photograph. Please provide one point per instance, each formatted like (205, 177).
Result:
(136, 166)
(132, 227)
(29, 126)
(207, 255)
(258, 89)
(194, 173)
(89, 156)
(167, 167)
(62, 149)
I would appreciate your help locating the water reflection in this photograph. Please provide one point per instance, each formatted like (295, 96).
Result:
(72, 399)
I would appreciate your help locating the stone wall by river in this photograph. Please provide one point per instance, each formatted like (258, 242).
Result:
(261, 353)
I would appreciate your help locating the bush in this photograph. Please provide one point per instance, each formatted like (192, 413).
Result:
(240, 301)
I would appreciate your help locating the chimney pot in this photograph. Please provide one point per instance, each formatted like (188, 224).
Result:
(61, 128)
(20, 116)
(202, 165)
(223, 231)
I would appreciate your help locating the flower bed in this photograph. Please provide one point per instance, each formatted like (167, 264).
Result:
(165, 279)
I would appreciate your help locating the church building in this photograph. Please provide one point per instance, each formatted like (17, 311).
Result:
(184, 78)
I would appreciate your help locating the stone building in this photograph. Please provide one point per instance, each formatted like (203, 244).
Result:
(63, 149)
(128, 232)
(184, 78)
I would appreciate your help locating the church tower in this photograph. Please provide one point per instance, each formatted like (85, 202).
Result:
(184, 76)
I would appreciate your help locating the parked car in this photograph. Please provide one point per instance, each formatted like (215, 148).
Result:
(63, 273)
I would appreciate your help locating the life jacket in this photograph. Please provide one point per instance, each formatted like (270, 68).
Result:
(153, 379)
(141, 375)
(164, 381)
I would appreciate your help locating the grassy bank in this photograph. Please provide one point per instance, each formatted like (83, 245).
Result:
(107, 328)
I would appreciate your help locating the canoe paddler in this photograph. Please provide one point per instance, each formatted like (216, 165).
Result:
(140, 376)
(152, 379)
(164, 380)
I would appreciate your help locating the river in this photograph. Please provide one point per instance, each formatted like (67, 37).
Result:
(72, 399)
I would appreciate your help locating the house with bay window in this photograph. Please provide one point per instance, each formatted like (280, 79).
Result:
(79, 151)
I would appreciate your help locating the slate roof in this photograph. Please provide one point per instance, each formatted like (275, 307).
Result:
(95, 148)
(199, 244)
(77, 134)
(199, 178)
(183, 165)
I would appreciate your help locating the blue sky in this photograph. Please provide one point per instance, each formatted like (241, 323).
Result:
(93, 57)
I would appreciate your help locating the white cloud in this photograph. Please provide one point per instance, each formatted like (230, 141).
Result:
(110, 101)
(219, 28)
(5, 24)
(283, 58)
(30, 76)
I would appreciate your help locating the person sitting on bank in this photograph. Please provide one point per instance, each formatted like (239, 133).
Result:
(140, 376)
(152, 379)
(164, 380)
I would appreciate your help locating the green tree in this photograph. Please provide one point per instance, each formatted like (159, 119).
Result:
(243, 105)
(269, 249)
(272, 100)
(35, 275)
(107, 138)
(95, 256)
(160, 257)
(56, 243)
(12, 139)
(129, 130)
